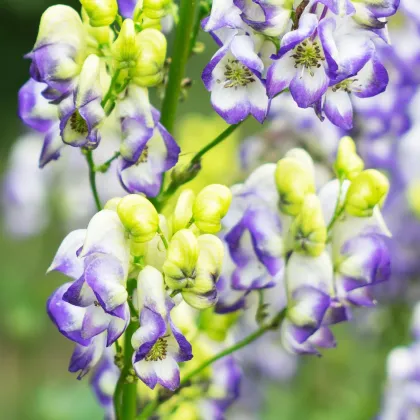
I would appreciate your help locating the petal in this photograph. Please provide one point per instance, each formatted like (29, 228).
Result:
(86, 357)
(51, 149)
(258, 100)
(66, 317)
(95, 322)
(79, 294)
(118, 324)
(223, 13)
(371, 80)
(126, 7)
(106, 234)
(105, 275)
(307, 88)
(66, 260)
(151, 290)
(184, 352)
(339, 109)
(280, 74)
(242, 48)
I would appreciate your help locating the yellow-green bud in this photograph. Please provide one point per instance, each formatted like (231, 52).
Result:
(210, 206)
(126, 49)
(112, 204)
(366, 191)
(139, 217)
(149, 67)
(348, 163)
(203, 293)
(182, 213)
(413, 197)
(294, 182)
(217, 326)
(308, 228)
(181, 260)
(152, 9)
(98, 36)
(100, 12)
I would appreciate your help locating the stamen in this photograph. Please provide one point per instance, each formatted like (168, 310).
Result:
(158, 351)
(308, 54)
(237, 75)
(78, 123)
(144, 155)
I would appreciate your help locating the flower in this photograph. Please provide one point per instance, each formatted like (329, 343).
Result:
(233, 77)
(159, 345)
(81, 113)
(59, 51)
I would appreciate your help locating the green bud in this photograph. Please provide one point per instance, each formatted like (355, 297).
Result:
(366, 191)
(184, 172)
(112, 204)
(181, 260)
(308, 228)
(100, 12)
(139, 217)
(348, 164)
(182, 213)
(413, 197)
(148, 71)
(126, 49)
(210, 206)
(209, 265)
(294, 182)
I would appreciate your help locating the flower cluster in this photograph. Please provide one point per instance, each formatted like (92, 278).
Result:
(327, 249)
(324, 52)
(94, 70)
(128, 246)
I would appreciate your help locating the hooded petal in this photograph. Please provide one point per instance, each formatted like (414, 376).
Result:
(105, 275)
(223, 13)
(67, 318)
(66, 260)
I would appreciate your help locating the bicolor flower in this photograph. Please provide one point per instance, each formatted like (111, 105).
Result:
(270, 17)
(300, 64)
(309, 285)
(81, 112)
(371, 80)
(256, 246)
(159, 345)
(104, 381)
(59, 51)
(367, 13)
(233, 77)
(147, 150)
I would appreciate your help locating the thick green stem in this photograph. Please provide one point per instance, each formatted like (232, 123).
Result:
(180, 56)
(275, 322)
(92, 178)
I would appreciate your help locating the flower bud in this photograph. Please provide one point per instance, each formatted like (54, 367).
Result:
(112, 204)
(97, 36)
(413, 197)
(366, 191)
(348, 164)
(294, 181)
(182, 214)
(151, 9)
(181, 261)
(184, 172)
(203, 293)
(210, 206)
(149, 67)
(100, 12)
(308, 228)
(126, 49)
(139, 217)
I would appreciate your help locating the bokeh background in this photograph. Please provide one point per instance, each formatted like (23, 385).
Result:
(344, 384)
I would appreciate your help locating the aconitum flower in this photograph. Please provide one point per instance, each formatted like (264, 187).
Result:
(233, 77)
(81, 112)
(159, 345)
(59, 51)
(147, 149)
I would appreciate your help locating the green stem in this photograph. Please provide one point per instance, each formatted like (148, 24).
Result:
(275, 322)
(202, 12)
(105, 166)
(92, 178)
(338, 211)
(111, 88)
(163, 237)
(180, 56)
(214, 143)
(173, 186)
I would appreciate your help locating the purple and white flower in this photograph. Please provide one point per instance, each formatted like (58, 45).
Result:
(159, 345)
(234, 78)
(82, 112)
(148, 149)
(59, 51)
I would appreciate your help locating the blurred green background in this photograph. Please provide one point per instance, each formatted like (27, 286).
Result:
(345, 384)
